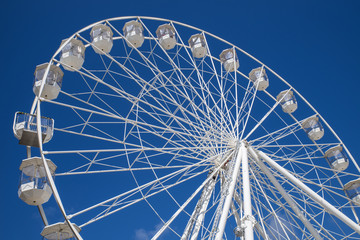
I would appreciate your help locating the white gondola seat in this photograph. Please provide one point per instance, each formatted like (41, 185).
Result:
(352, 190)
(198, 45)
(53, 81)
(259, 77)
(25, 129)
(134, 34)
(229, 60)
(166, 35)
(72, 54)
(313, 128)
(59, 231)
(287, 101)
(337, 158)
(101, 39)
(34, 189)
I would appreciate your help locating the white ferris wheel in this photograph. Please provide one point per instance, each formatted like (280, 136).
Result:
(148, 120)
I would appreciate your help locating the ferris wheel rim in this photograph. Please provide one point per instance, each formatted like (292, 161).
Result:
(37, 100)
(215, 36)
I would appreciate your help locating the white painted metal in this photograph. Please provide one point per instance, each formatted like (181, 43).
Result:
(43, 215)
(139, 188)
(248, 217)
(133, 32)
(30, 194)
(102, 39)
(49, 176)
(352, 189)
(356, 199)
(259, 78)
(209, 179)
(229, 196)
(238, 230)
(197, 44)
(220, 39)
(240, 222)
(262, 120)
(58, 231)
(229, 59)
(36, 162)
(196, 220)
(73, 54)
(284, 194)
(313, 128)
(166, 35)
(25, 129)
(33, 188)
(287, 100)
(217, 125)
(321, 201)
(40, 207)
(52, 84)
(337, 158)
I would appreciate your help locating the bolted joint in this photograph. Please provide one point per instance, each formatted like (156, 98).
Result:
(245, 143)
(248, 218)
(239, 231)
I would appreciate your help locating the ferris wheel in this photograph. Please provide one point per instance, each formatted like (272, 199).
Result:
(152, 122)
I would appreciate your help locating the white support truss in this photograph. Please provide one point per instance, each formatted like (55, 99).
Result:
(193, 227)
(229, 197)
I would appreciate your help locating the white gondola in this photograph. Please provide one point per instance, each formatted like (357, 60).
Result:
(260, 79)
(166, 35)
(101, 39)
(25, 129)
(313, 128)
(198, 45)
(337, 158)
(133, 32)
(53, 81)
(229, 60)
(287, 101)
(352, 190)
(59, 231)
(72, 54)
(34, 189)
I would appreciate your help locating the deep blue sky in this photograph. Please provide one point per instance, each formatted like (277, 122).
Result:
(314, 45)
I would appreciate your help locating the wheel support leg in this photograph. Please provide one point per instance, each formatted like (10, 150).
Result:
(283, 193)
(321, 201)
(197, 217)
(248, 218)
(229, 197)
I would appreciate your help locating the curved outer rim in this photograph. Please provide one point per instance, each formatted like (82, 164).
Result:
(37, 100)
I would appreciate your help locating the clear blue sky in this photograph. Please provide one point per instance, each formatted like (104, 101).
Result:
(314, 45)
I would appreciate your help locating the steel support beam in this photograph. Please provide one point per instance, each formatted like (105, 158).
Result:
(197, 217)
(286, 196)
(248, 218)
(317, 198)
(229, 197)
